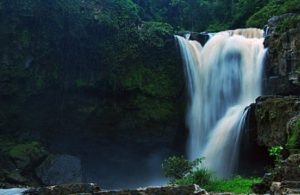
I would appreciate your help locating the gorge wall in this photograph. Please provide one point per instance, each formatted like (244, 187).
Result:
(283, 61)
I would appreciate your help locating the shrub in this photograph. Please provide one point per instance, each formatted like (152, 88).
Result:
(276, 151)
(201, 177)
(177, 167)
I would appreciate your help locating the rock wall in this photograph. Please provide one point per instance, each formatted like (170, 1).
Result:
(269, 118)
(282, 69)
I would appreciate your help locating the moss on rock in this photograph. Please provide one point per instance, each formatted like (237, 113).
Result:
(293, 143)
(272, 114)
(27, 154)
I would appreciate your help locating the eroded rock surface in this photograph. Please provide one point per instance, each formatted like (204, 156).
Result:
(270, 115)
(282, 67)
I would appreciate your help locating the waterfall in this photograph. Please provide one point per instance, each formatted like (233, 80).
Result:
(223, 78)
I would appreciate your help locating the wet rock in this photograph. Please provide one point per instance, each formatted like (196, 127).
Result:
(291, 184)
(270, 116)
(264, 186)
(276, 188)
(60, 169)
(285, 187)
(285, 177)
(290, 170)
(79, 188)
(16, 177)
(201, 37)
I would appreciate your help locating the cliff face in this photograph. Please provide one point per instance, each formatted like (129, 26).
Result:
(270, 116)
(283, 60)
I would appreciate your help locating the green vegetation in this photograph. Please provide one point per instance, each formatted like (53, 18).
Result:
(293, 143)
(26, 150)
(176, 167)
(200, 176)
(288, 23)
(276, 151)
(273, 8)
(238, 185)
(185, 172)
(117, 57)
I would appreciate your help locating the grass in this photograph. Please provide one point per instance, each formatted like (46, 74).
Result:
(185, 172)
(238, 185)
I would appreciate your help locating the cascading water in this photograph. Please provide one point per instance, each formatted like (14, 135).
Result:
(223, 78)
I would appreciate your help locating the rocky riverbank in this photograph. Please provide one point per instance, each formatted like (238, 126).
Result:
(95, 189)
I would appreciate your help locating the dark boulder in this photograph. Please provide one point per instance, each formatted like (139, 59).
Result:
(290, 169)
(60, 169)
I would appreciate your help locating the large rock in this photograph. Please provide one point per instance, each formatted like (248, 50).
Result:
(284, 179)
(283, 61)
(270, 115)
(290, 169)
(60, 169)
(18, 162)
(201, 37)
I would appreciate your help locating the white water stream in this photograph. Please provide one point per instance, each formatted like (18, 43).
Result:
(12, 191)
(223, 78)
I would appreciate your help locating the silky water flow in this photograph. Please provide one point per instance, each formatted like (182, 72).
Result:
(223, 77)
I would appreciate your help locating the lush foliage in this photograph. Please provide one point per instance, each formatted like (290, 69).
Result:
(288, 23)
(185, 172)
(273, 8)
(200, 176)
(238, 185)
(107, 59)
(276, 152)
(176, 167)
